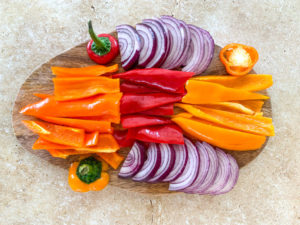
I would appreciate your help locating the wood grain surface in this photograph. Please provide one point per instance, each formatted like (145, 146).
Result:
(40, 82)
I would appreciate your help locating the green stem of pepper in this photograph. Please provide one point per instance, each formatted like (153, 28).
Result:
(98, 42)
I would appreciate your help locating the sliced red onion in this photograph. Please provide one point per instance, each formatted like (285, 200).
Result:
(130, 45)
(176, 40)
(203, 168)
(222, 174)
(212, 170)
(186, 34)
(162, 42)
(148, 43)
(209, 47)
(134, 161)
(181, 156)
(151, 164)
(197, 44)
(233, 177)
(191, 169)
(167, 162)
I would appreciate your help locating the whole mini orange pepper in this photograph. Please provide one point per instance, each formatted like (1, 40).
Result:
(238, 59)
(87, 175)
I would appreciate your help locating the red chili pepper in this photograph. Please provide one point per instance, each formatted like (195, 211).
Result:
(122, 138)
(170, 134)
(133, 103)
(164, 110)
(165, 80)
(103, 48)
(130, 121)
(127, 87)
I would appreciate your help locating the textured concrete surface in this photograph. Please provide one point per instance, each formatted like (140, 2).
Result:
(34, 192)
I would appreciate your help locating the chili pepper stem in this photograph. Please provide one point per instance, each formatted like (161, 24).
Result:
(94, 37)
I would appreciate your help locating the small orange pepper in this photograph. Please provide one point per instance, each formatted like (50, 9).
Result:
(88, 175)
(238, 59)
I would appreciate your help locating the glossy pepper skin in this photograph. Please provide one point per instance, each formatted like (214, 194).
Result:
(103, 48)
(238, 59)
(136, 120)
(171, 81)
(88, 175)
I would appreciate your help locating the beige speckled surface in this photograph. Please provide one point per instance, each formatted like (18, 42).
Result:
(34, 192)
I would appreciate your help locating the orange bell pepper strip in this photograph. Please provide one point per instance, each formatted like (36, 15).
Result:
(106, 144)
(200, 92)
(66, 89)
(251, 124)
(89, 71)
(219, 136)
(100, 105)
(254, 105)
(41, 95)
(249, 82)
(230, 106)
(56, 133)
(91, 139)
(87, 175)
(88, 125)
(238, 59)
(113, 159)
(64, 153)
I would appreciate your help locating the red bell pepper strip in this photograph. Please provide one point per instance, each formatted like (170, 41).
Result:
(170, 134)
(103, 48)
(122, 138)
(127, 87)
(136, 120)
(165, 80)
(132, 103)
(164, 110)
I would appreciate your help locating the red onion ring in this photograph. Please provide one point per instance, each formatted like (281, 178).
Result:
(222, 174)
(149, 44)
(134, 161)
(203, 168)
(162, 42)
(167, 162)
(181, 156)
(186, 34)
(130, 45)
(233, 177)
(151, 164)
(191, 169)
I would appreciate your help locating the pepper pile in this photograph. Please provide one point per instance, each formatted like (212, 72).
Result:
(148, 96)
(79, 114)
(225, 112)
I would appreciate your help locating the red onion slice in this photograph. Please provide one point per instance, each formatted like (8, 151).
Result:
(162, 42)
(191, 169)
(233, 177)
(167, 162)
(130, 45)
(209, 47)
(151, 164)
(197, 44)
(212, 170)
(149, 44)
(186, 34)
(181, 156)
(203, 168)
(222, 174)
(176, 42)
(134, 161)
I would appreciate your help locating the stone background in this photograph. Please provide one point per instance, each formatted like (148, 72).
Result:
(35, 192)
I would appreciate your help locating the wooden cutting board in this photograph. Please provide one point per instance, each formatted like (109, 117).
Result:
(40, 82)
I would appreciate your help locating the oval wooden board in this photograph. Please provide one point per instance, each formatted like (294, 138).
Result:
(40, 82)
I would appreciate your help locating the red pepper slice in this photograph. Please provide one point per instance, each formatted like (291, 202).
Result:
(130, 121)
(170, 134)
(122, 138)
(127, 87)
(132, 103)
(103, 48)
(165, 80)
(164, 110)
